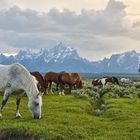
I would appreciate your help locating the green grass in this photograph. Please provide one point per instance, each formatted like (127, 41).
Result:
(66, 118)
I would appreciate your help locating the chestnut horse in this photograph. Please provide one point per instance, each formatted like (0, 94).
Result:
(103, 81)
(49, 78)
(71, 79)
(41, 83)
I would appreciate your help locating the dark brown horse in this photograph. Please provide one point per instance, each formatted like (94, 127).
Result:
(112, 79)
(41, 83)
(71, 79)
(49, 78)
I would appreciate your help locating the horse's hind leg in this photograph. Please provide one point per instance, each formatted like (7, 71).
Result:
(46, 88)
(18, 99)
(50, 88)
(70, 87)
(61, 89)
(5, 98)
(57, 86)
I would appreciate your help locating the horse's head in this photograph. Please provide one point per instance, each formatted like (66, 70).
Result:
(35, 104)
(95, 82)
(80, 85)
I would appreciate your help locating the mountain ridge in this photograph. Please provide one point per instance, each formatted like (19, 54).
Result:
(66, 58)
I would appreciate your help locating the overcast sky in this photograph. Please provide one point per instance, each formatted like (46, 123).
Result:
(96, 28)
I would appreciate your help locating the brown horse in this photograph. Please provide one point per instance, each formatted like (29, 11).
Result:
(71, 79)
(41, 83)
(49, 78)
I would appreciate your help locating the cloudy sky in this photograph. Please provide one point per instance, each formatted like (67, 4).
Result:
(96, 28)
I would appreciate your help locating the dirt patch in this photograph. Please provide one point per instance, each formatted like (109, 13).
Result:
(4, 135)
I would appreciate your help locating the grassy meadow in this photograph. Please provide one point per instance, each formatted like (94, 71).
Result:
(73, 117)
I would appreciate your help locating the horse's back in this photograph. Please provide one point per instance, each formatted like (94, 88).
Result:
(125, 80)
(63, 77)
(15, 72)
(4, 69)
(51, 76)
(9, 70)
(69, 78)
(8, 73)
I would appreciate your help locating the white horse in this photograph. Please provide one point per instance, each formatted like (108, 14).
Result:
(15, 77)
(125, 81)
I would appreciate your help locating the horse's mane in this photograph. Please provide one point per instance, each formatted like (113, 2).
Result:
(27, 79)
(38, 74)
(40, 79)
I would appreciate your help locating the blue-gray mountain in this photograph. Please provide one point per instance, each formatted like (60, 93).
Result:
(62, 58)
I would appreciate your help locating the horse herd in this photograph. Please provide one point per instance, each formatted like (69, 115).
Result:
(73, 80)
(16, 77)
(111, 79)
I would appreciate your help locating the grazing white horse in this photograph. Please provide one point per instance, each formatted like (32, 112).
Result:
(125, 81)
(15, 77)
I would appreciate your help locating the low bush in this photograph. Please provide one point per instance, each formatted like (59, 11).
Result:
(98, 95)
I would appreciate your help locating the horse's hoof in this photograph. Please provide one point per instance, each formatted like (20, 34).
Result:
(63, 94)
(18, 116)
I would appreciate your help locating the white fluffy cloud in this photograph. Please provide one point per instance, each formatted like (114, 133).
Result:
(94, 33)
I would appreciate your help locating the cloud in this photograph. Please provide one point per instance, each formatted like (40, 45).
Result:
(4, 4)
(136, 24)
(107, 21)
(89, 31)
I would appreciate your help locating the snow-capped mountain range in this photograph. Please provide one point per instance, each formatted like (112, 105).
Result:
(64, 58)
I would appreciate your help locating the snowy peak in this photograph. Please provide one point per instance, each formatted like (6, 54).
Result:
(61, 52)
(125, 62)
(24, 54)
(58, 53)
(132, 53)
(121, 58)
